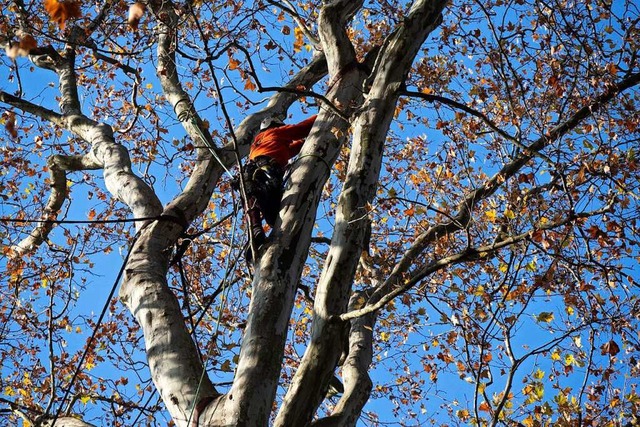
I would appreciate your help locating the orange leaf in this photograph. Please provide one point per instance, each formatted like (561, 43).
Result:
(61, 12)
(136, 11)
(233, 63)
(249, 85)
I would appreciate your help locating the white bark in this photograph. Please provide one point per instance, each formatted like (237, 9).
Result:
(334, 288)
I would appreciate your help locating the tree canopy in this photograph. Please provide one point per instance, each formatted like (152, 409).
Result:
(458, 239)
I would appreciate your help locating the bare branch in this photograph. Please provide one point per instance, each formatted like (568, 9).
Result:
(385, 293)
(462, 218)
(57, 165)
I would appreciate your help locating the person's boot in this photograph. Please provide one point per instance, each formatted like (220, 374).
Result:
(259, 238)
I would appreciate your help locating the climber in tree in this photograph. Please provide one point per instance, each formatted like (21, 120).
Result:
(263, 174)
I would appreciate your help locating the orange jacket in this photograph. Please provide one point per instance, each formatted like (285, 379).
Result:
(281, 143)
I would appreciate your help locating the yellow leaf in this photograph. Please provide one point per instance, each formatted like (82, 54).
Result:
(539, 374)
(385, 336)
(85, 399)
(9, 391)
(463, 414)
(491, 215)
(299, 42)
(508, 213)
(531, 266)
(569, 360)
(545, 317)
(528, 422)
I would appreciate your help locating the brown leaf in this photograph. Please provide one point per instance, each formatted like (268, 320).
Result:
(136, 11)
(28, 43)
(610, 348)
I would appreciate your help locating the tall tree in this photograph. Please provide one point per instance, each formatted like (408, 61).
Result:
(457, 243)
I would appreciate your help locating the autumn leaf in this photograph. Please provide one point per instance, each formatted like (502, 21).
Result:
(233, 63)
(61, 12)
(299, 42)
(136, 11)
(249, 85)
(226, 366)
(610, 348)
(491, 214)
(545, 317)
(270, 45)
(10, 124)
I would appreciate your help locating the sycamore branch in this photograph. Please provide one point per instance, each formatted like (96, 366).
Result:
(58, 166)
(355, 369)
(468, 255)
(463, 217)
(370, 130)
(31, 108)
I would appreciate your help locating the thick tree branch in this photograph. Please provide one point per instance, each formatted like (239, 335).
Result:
(334, 288)
(336, 45)
(355, 369)
(278, 270)
(145, 289)
(36, 110)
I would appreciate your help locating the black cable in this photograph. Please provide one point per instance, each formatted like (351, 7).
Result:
(64, 221)
(95, 331)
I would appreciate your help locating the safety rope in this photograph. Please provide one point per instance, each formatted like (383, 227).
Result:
(95, 330)
(223, 299)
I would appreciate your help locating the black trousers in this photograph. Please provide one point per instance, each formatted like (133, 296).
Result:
(263, 186)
